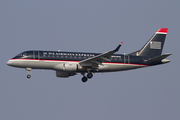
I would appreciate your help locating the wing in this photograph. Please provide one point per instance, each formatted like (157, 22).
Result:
(95, 61)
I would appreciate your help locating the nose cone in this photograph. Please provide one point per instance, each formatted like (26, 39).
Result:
(10, 63)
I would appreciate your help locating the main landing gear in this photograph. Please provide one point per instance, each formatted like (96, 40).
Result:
(29, 72)
(89, 76)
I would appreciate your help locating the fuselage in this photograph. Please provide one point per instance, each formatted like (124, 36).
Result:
(50, 59)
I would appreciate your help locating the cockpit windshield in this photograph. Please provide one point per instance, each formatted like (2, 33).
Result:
(24, 54)
(19, 55)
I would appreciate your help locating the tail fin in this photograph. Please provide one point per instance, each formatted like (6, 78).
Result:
(155, 45)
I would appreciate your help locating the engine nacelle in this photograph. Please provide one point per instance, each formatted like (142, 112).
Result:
(64, 74)
(69, 67)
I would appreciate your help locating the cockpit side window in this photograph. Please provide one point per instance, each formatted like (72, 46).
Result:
(24, 54)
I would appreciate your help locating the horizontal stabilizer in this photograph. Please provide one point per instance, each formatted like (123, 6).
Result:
(158, 58)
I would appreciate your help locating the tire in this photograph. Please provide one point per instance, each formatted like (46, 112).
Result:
(89, 75)
(84, 79)
(28, 76)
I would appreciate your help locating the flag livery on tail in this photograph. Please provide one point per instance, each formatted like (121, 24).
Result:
(155, 45)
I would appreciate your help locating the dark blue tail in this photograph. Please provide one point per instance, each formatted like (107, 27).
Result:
(154, 46)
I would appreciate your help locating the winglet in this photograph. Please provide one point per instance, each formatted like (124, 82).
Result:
(118, 47)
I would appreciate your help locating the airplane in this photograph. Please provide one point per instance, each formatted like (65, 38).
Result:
(68, 64)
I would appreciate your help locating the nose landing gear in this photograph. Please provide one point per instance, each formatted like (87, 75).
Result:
(29, 71)
(28, 76)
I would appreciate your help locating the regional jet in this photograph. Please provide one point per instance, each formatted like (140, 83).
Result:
(68, 64)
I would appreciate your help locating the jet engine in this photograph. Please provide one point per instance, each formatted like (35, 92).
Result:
(64, 74)
(69, 67)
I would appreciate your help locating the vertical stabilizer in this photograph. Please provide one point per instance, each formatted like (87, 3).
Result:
(155, 45)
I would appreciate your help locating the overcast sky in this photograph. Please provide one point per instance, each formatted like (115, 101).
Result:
(89, 26)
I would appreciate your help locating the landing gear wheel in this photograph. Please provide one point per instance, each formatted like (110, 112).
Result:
(84, 79)
(89, 75)
(28, 76)
(29, 72)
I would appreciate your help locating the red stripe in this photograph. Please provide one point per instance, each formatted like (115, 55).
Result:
(79, 61)
(46, 60)
(162, 30)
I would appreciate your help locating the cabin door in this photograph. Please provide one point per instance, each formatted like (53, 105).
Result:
(126, 59)
(36, 55)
